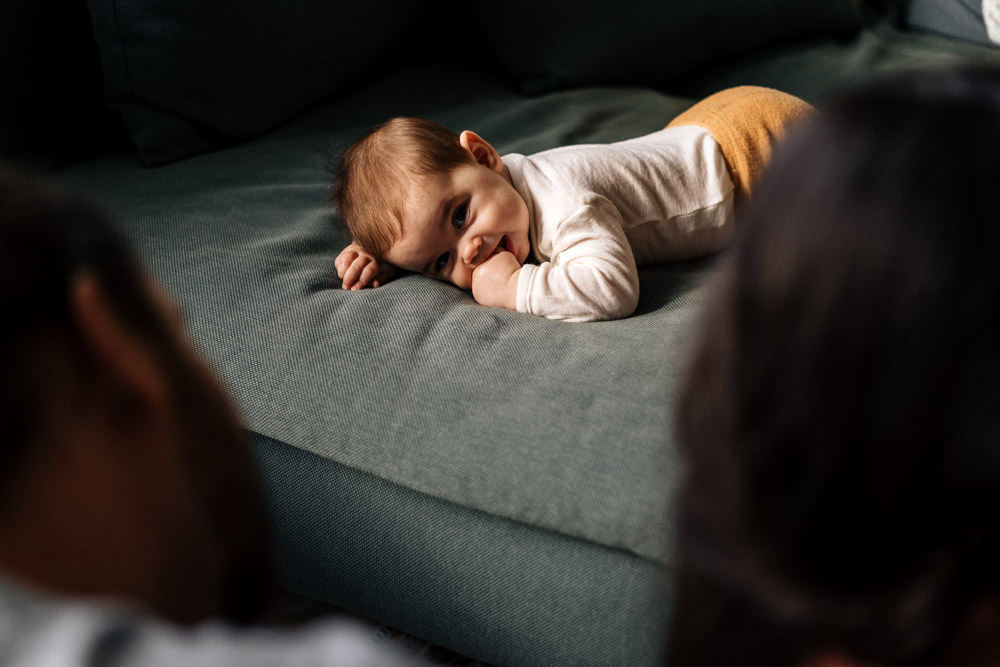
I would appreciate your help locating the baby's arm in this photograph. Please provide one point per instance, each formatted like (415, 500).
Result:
(591, 274)
(358, 269)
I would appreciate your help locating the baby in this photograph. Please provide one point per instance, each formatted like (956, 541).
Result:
(417, 196)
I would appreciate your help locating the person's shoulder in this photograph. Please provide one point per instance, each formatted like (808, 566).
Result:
(39, 629)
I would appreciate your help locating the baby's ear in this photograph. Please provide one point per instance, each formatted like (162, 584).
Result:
(480, 150)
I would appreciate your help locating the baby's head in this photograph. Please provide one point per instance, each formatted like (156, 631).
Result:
(423, 198)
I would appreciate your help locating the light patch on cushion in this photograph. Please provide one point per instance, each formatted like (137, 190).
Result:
(991, 17)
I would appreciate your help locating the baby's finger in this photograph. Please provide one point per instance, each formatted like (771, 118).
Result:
(344, 260)
(350, 277)
(368, 273)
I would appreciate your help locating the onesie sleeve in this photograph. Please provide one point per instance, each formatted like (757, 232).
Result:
(591, 273)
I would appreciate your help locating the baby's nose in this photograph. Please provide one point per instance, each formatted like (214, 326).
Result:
(470, 252)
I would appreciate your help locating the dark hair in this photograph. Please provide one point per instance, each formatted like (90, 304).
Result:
(370, 178)
(48, 236)
(840, 416)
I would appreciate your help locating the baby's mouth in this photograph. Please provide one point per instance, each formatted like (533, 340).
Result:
(502, 245)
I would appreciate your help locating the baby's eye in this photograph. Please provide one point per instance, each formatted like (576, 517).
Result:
(459, 216)
(441, 262)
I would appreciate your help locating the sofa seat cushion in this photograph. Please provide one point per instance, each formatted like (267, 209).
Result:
(557, 425)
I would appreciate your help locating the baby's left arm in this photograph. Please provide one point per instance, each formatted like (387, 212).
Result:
(591, 273)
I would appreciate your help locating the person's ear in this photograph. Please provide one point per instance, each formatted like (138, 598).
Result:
(119, 352)
(480, 150)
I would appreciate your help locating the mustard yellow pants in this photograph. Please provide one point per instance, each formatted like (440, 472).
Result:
(746, 121)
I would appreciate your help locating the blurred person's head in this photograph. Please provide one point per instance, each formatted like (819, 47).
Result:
(841, 416)
(123, 470)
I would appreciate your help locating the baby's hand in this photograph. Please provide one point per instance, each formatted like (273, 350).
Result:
(357, 269)
(494, 282)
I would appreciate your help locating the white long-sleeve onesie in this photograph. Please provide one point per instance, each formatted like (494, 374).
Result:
(598, 210)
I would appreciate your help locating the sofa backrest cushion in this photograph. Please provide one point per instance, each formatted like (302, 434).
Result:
(53, 112)
(972, 20)
(191, 76)
(561, 43)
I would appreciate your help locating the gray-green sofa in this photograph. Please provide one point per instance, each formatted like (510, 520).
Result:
(493, 482)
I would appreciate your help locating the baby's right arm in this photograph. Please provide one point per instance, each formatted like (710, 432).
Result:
(357, 269)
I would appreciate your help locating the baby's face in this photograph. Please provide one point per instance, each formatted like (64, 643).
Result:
(454, 221)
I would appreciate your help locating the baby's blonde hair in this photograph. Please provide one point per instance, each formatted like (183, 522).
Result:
(371, 178)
